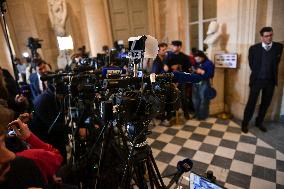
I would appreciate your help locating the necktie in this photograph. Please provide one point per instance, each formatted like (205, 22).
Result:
(267, 47)
(43, 86)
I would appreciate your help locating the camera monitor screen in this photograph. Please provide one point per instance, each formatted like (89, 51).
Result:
(199, 182)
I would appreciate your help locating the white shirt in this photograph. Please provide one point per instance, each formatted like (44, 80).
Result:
(40, 82)
(264, 45)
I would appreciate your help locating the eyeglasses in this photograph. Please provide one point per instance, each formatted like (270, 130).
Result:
(268, 35)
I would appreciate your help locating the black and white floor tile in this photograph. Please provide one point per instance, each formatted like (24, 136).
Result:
(238, 160)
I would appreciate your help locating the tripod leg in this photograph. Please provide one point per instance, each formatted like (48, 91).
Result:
(155, 169)
(127, 177)
(152, 177)
(140, 171)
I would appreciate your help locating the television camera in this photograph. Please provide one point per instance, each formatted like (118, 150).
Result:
(33, 45)
(114, 110)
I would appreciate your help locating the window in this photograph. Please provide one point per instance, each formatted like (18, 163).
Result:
(200, 13)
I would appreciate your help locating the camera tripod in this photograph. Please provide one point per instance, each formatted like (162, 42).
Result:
(140, 163)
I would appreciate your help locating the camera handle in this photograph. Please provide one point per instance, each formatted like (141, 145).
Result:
(6, 35)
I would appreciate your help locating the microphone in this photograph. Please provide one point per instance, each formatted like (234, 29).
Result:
(182, 167)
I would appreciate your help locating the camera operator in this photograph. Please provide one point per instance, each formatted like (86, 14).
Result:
(30, 168)
(178, 61)
(158, 68)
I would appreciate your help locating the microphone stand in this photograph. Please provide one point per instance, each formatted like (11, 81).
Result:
(6, 35)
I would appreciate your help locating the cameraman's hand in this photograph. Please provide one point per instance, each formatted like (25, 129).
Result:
(25, 117)
(23, 131)
(166, 68)
(200, 71)
(175, 67)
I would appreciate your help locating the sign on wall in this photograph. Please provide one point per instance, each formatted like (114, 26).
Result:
(226, 60)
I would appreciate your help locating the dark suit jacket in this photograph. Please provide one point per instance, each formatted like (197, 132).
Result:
(46, 109)
(34, 84)
(255, 57)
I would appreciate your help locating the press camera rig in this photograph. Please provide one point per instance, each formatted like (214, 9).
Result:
(114, 111)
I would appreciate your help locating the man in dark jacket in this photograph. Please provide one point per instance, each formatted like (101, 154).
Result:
(37, 86)
(159, 62)
(48, 122)
(178, 61)
(264, 58)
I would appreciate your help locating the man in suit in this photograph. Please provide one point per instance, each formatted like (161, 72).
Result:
(38, 86)
(263, 58)
(47, 113)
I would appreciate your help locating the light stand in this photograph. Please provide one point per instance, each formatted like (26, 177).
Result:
(6, 34)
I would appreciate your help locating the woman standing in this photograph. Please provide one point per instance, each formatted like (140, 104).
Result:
(205, 69)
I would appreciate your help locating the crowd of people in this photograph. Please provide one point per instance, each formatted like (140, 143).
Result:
(32, 158)
(193, 95)
(39, 150)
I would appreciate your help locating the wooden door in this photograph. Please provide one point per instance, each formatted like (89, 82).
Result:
(128, 18)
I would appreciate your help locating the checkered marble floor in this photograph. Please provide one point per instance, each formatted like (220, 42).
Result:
(238, 160)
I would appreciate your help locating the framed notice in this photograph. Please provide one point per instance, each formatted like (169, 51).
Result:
(226, 60)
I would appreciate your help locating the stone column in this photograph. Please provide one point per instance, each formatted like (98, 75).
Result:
(238, 21)
(175, 21)
(5, 60)
(98, 24)
(276, 10)
(30, 19)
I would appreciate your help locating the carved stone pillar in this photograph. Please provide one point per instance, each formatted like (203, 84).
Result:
(98, 24)
(5, 60)
(238, 21)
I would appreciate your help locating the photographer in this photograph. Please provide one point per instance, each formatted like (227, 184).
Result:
(178, 61)
(29, 168)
